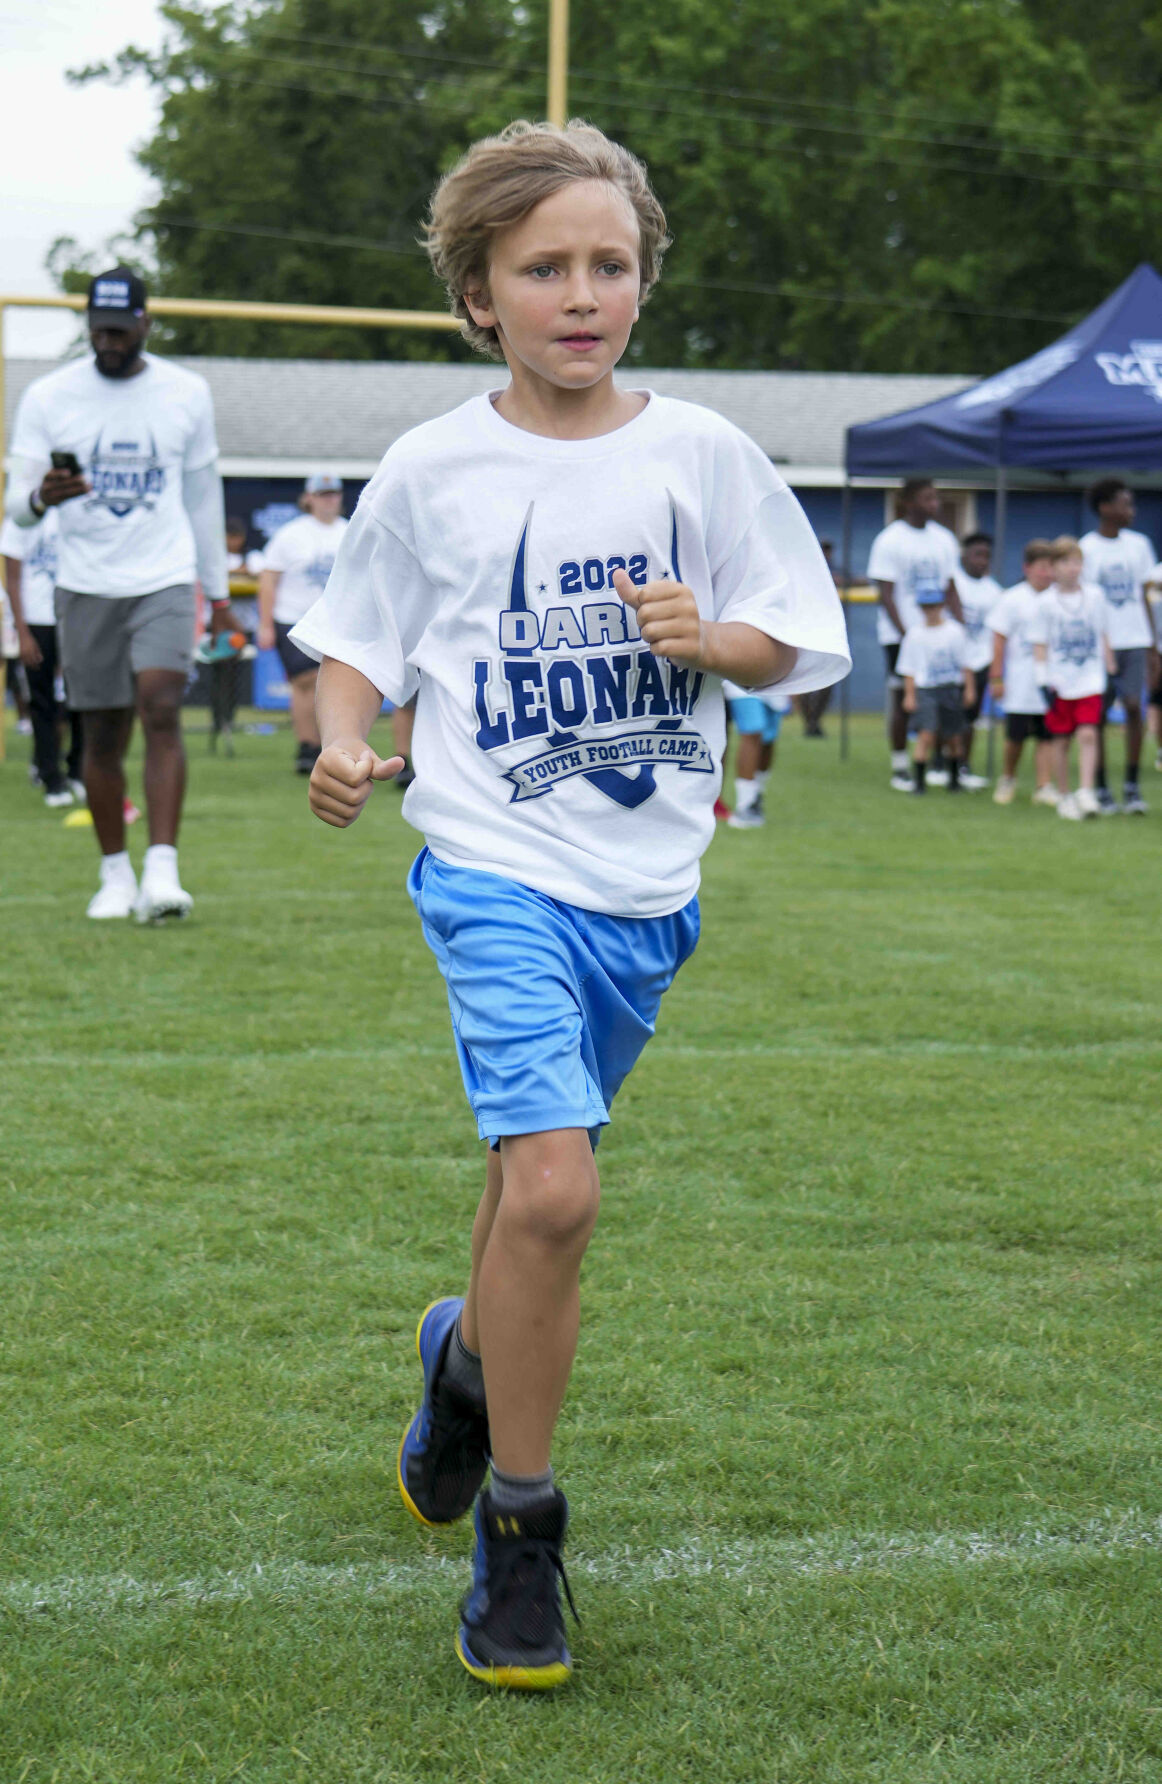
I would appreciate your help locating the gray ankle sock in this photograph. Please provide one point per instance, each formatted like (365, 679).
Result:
(462, 1367)
(519, 1492)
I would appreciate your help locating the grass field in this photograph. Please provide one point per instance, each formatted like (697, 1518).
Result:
(863, 1441)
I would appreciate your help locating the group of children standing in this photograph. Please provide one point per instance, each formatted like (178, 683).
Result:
(1055, 651)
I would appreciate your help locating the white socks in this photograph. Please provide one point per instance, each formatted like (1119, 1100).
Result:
(117, 867)
(161, 862)
(745, 793)
(901, 762)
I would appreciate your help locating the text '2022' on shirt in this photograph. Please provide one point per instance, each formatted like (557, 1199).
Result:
(551, 746)
(134, 438)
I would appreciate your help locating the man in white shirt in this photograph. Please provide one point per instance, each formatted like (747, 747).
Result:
(979, 593)
(123, 445)
(295, 568)
(30, 562)
(1121, 563)
(912, 555)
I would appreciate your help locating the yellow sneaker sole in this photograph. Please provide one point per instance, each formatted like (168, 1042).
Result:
(515, 1678)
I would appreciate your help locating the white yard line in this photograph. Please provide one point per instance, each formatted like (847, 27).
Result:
(769, 1561)
(1130, 1047)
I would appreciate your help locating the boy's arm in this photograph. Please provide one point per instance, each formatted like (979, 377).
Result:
(887, 593)
(346, 706)
(670, 623)
(952, 598)
(267, 588)
(30, 653)
(909, 693)
(997, 671)
(969, 686)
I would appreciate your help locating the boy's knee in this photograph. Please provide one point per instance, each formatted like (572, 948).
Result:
(551, 1194)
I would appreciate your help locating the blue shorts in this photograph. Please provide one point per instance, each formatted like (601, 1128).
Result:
(551, 1004)
(751, 716)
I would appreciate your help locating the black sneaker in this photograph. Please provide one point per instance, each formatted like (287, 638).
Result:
(307, 757)
(512, 1631)
(444, 1454)
(404, 778)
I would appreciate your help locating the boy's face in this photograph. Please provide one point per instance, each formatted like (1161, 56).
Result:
(324, 504)
(563, 285)
(236, 542)
(976, 558)
(1039, 573)
(933, 613)
(1067, 570)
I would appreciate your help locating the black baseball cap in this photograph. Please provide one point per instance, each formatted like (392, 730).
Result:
(116, 299)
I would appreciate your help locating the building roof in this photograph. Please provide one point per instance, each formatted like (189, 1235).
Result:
(290, 416)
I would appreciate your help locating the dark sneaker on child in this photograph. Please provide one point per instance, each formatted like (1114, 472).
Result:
(1133, 803)
(512, 1631)
(1107, 805)
(444, 1454)
(308, 755)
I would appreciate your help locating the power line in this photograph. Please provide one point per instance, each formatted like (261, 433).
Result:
(786, 289)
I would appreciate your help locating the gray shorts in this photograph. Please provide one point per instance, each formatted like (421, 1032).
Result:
(1128, 681)
(941, 710)
(107, 640)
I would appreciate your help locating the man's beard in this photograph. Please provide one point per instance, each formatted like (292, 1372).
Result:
(115, 362)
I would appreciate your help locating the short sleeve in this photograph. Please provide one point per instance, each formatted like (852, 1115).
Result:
(999, 616)
(202, 445)
(1039, 624)
(881, 564)
(776, 578)
(279, 554)
(909, 660)
(374, 609)
(13, 540)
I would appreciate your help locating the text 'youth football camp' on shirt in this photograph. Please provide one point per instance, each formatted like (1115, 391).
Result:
(303, 552)
(36, 549)
(134, 439)
(1121, 567)
(913, 559)
(551, 746)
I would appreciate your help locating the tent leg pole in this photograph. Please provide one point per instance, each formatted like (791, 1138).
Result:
(844, 582)
(999, 520)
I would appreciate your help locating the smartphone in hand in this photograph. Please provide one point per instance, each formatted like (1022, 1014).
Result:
(66, 461)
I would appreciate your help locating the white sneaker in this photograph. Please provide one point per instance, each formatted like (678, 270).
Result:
(77, 789)
(115, 898)
(902, 783)
(972, 783)
(160, 899)
(24, 727)
(62, 796)
(938, 777)
(1088, 803)
(1047, 795)
(745, 820)
(1005, 791)
(1069, 807)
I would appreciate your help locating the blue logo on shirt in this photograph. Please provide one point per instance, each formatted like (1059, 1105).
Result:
(636, 700)
(125, 475)
(1075, 640)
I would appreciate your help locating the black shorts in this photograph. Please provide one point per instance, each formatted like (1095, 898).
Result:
(294, 660)
(1020, 725)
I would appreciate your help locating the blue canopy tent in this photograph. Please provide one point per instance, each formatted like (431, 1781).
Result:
(1091, 401)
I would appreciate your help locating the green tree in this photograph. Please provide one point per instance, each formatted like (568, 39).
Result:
(921, 185)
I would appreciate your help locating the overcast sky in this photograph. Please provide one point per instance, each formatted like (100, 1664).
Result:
(66, 153)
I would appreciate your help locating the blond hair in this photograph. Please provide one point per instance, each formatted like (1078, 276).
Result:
(502, 178)
(1065, 545)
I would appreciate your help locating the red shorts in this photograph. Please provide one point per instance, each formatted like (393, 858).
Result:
(1064, 716)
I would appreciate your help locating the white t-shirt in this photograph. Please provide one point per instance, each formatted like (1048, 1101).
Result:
(551, 747)
(1121, 567)
(1015, 619)
(978, 596)
(134, 438)
(913, 558)
(770, 697)
(1073, 626)
(303, 552)
(934, 656)
(36, 548)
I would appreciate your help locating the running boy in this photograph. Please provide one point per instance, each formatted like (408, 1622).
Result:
(758, 720)
(933, 664)
(1073, 659)
(1014, 622)
(564, 569)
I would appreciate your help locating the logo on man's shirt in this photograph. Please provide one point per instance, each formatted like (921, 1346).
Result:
(573, 669)
(1117, 584)
(42, 559)
(125, 475)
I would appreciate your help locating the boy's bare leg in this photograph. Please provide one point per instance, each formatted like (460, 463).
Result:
(1043, 762)
(1060, 748)
(527, 1290)
(923, 746)
(748, 762)
(1011, 759)
(1087, 736)
(302, 704)
(481, 1228)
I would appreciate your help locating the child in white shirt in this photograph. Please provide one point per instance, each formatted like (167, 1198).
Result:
(933, 663)
(565, 569)
(1073, 659)
(1014, 621)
